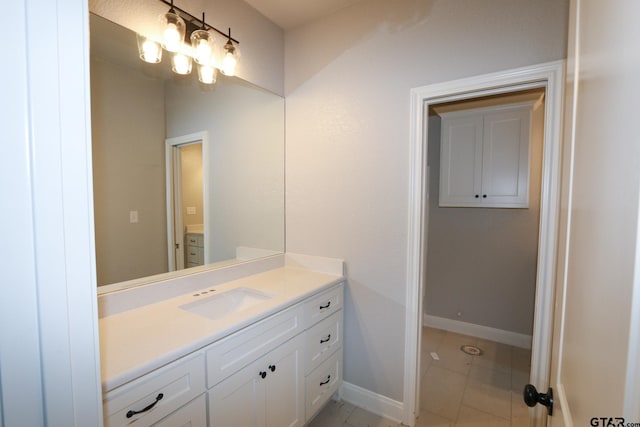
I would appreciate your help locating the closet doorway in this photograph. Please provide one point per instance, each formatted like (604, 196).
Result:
(550, 77)
(483, 203)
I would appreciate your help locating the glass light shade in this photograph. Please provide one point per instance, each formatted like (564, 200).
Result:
(181, 63)
(228, 66)
(207, 74)
(203, 45)
(149, 50)
(174, 30)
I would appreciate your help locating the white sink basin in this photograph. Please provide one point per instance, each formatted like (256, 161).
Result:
(225, 303)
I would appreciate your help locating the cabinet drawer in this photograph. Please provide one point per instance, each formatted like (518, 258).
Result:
(233, 353)
(322, 383)
(323, 305)
(195, 255)
(193, 414)
(195, 240)
(322, 340)
(178, 383)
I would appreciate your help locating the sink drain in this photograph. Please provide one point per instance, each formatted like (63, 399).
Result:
(471, 349)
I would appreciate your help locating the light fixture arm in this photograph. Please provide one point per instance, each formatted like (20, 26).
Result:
(199, 22)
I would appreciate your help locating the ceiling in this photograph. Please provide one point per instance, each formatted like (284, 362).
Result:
(291, 13)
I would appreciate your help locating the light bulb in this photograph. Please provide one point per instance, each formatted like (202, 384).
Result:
(202, 44)
(203, 52)
(229, 64)
(207, 74)
(151, 51)
(181, 63)
(172, 37)
(174, 31)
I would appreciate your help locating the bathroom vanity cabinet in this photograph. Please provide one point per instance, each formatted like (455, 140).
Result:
(276, 372)
(194, 249)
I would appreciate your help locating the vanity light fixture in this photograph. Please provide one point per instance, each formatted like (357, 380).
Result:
(189, 38)
(230, 57)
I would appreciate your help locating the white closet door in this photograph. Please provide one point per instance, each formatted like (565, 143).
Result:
(505, 163)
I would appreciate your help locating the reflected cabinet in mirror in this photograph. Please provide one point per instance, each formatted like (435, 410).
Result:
(184, 175)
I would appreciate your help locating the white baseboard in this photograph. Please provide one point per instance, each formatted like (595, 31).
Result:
(479, 331)
(372, 402)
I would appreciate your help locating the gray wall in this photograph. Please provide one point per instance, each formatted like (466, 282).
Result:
(347, 81)
(128, 132)
(245, 125)
(481, 262)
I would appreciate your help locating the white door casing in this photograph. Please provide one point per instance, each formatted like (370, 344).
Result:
(550, 76)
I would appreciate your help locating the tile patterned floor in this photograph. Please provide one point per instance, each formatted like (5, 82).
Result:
(458, 390)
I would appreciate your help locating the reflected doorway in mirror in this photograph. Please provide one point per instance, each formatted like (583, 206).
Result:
(187, 213)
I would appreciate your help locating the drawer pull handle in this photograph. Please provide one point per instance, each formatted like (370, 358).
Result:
(327, 381)
(158, 399)
(326, 339)
(322, 307)
(263, 374)
(272, 368)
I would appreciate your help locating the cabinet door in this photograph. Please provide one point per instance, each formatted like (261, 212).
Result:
(461, 160)
(267, 393)
(285, 385)
(239, 400)
(505, 170)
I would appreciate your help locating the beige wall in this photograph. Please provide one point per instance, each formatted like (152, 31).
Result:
(128, 135)
(347, 82)
(482, 262)
(191, 159)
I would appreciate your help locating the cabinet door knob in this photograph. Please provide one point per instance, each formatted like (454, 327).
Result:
(477, 196)
(327, 380)
(484, 196)
(326, 339)
(263, 374)
(272, 368)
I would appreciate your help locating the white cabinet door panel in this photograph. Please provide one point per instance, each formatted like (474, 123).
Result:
(505, 172)
(461, 160)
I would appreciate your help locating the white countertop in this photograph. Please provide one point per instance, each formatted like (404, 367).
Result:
(134, 342)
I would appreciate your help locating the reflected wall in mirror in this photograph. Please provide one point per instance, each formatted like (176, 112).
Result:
(136, 111)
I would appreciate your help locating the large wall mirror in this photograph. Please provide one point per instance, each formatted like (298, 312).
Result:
(186, 177)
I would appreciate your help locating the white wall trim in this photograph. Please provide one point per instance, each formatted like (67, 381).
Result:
(372, 402)
(50, 353)
(478, 331)
(551, 76)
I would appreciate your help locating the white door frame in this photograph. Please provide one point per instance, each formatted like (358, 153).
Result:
(550, 76)
(170, 144)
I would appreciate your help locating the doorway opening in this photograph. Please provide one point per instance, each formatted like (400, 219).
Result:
(187, 201)
(480, 272)
(548, 77)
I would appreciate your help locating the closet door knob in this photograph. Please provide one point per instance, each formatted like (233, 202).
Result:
(532, 397)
